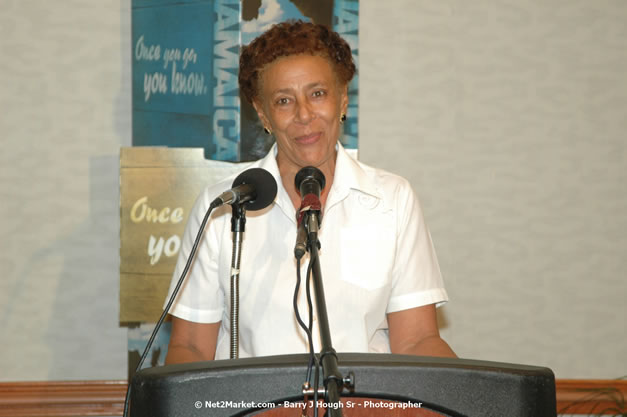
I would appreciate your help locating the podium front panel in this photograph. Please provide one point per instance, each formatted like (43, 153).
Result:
(450, 387)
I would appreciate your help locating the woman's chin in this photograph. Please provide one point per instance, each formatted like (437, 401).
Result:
(318, 158)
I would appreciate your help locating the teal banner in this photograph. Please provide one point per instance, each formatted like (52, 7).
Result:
(185, 66)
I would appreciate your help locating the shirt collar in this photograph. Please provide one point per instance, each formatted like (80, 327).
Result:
(282, 199)
(349, 175)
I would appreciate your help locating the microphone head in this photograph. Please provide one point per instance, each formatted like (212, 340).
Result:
(305, 176)
(264, 184)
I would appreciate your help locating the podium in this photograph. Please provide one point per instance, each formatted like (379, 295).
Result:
(446, 387)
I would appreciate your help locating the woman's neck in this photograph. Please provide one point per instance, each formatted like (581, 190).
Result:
(288, 173)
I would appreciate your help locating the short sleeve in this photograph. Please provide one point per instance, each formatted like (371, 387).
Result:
(200, 298)
(417, 280)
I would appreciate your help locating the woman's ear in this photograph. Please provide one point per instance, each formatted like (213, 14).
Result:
(262, 116)
(344, 99)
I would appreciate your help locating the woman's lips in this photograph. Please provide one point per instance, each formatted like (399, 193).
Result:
(309, 138)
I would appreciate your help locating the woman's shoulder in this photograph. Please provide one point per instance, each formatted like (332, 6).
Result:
(386, 182)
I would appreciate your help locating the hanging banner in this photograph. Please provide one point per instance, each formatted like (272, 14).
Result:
(185, 67)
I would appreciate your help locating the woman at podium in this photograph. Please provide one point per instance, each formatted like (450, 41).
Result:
(381, 276)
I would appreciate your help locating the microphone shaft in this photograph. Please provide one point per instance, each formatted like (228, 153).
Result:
(237, 195)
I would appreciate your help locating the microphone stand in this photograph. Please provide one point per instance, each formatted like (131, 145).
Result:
(238, 224)
(333, 380)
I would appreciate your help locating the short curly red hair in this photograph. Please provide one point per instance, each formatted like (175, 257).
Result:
(293, 38)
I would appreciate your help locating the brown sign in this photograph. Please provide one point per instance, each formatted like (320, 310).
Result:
(158, 187)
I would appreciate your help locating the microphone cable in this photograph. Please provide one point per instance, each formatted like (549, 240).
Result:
(316, 362)
(308, 329)
(170, 302)
(261, 193)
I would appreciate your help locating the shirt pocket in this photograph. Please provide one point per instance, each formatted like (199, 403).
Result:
(367, 256)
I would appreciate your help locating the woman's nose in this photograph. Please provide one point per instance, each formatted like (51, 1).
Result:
(304, 112)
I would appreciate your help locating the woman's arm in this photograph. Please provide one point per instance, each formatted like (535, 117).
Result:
(192, 342)
(415, 332)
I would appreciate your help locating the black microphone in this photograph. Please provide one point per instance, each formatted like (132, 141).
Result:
(254, 187)
(309, 182)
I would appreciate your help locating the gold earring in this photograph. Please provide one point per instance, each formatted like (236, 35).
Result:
(268, 132)
(343, 118)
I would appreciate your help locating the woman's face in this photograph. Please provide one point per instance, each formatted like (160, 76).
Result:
(301, 102)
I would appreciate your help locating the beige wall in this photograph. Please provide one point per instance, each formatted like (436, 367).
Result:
(65, 111)
(515, 115)
(507, 117)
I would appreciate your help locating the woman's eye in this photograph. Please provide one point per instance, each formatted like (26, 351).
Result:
(282, 101)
